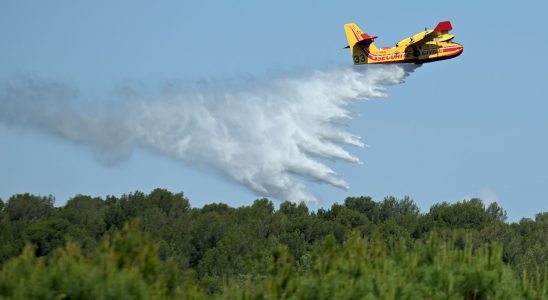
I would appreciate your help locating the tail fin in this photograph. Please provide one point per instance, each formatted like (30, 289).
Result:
(353, 34)
(359, 42)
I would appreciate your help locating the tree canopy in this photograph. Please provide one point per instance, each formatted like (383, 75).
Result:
(156, 246)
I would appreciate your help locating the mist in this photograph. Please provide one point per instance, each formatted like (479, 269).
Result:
(271, 136)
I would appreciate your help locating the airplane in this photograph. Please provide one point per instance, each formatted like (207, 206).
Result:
(425, 46)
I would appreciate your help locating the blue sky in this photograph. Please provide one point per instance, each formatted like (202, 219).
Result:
(473, 126)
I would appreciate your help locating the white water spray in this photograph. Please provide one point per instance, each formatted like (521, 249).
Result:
(266, 136)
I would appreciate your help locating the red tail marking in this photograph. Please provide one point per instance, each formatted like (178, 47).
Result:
(366, 36)
(443, 26)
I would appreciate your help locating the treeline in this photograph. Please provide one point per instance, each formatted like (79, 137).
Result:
(146, 246)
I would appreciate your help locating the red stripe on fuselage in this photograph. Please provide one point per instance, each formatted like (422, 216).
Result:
(425, 60)
(423, 52)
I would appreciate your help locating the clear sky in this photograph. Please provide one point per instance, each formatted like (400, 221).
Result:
(474, 126)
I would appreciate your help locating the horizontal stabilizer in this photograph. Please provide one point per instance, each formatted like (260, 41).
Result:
(367, 37)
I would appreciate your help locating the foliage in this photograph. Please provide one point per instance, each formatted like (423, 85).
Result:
(155, 246)
(365, 269)
(125, 267)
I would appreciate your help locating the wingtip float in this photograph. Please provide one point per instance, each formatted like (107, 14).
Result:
(426, 46)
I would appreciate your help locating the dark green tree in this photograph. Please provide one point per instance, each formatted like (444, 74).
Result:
(466, 214)
(497, 213)
(27, 207)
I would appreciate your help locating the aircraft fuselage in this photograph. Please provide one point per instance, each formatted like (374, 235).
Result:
(425, 46)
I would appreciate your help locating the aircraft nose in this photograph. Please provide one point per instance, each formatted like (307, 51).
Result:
(459, 51)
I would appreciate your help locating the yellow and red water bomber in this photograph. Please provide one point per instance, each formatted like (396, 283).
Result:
(425, 46)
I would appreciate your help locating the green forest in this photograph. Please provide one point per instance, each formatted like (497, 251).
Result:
(156, 246)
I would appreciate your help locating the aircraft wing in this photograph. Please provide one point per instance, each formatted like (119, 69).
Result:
(426, 36)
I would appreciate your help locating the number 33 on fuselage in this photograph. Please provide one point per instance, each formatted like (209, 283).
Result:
(425, 46)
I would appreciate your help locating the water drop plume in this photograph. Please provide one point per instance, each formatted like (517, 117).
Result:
(267, 135)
